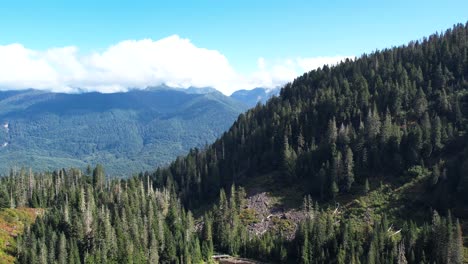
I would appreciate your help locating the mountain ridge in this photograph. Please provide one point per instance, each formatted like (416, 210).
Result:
(162, 120)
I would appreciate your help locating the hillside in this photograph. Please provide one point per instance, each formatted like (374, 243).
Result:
(129, 132)
(387, 118)
(375, 117)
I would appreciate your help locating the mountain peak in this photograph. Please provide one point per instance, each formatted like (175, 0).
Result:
(256, 95)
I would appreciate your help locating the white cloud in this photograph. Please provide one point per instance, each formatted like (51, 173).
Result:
(173, 61)
(276, 73)
(20, 67)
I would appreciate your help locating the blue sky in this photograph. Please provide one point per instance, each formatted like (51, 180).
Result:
(249, 34)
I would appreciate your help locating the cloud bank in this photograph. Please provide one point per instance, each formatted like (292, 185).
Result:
(129, 64)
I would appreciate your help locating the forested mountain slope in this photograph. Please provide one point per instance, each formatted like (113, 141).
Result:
(332, 129)
(384, 134)
(129, 132)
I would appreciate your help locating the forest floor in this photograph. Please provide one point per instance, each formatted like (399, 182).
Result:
(12, 223)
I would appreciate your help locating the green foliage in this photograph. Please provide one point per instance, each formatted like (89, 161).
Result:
(283, 226)
(4, 199)
(416, 172)
(248, 216)
(366, 186)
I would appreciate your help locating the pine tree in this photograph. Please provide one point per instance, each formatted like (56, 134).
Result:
(366, 186)
(457, 245)
(363, 91)
(42, 252)
(153, 249)
(4, 198)
(62, 249)
(349, 169)
(373, 123)
(207, 242)
(372, 253)
(98, 177)
(443, 102)
(332, 132)
(300, 144)
(196, 255)
(333, 189)
(437, 134)
(305, 249)
(439, 78)
(401, 254)
(51, 248)
(288, 159)
(426, 128)
(420, 105)
(435, 174)
(457, 113)
(386, 127)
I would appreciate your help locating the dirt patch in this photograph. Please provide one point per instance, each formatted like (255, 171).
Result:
(270, 215)
(233, 260)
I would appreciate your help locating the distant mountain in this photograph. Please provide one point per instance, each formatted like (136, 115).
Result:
(252, 97)
(190, 90)
(129, 132)
(201, 90)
